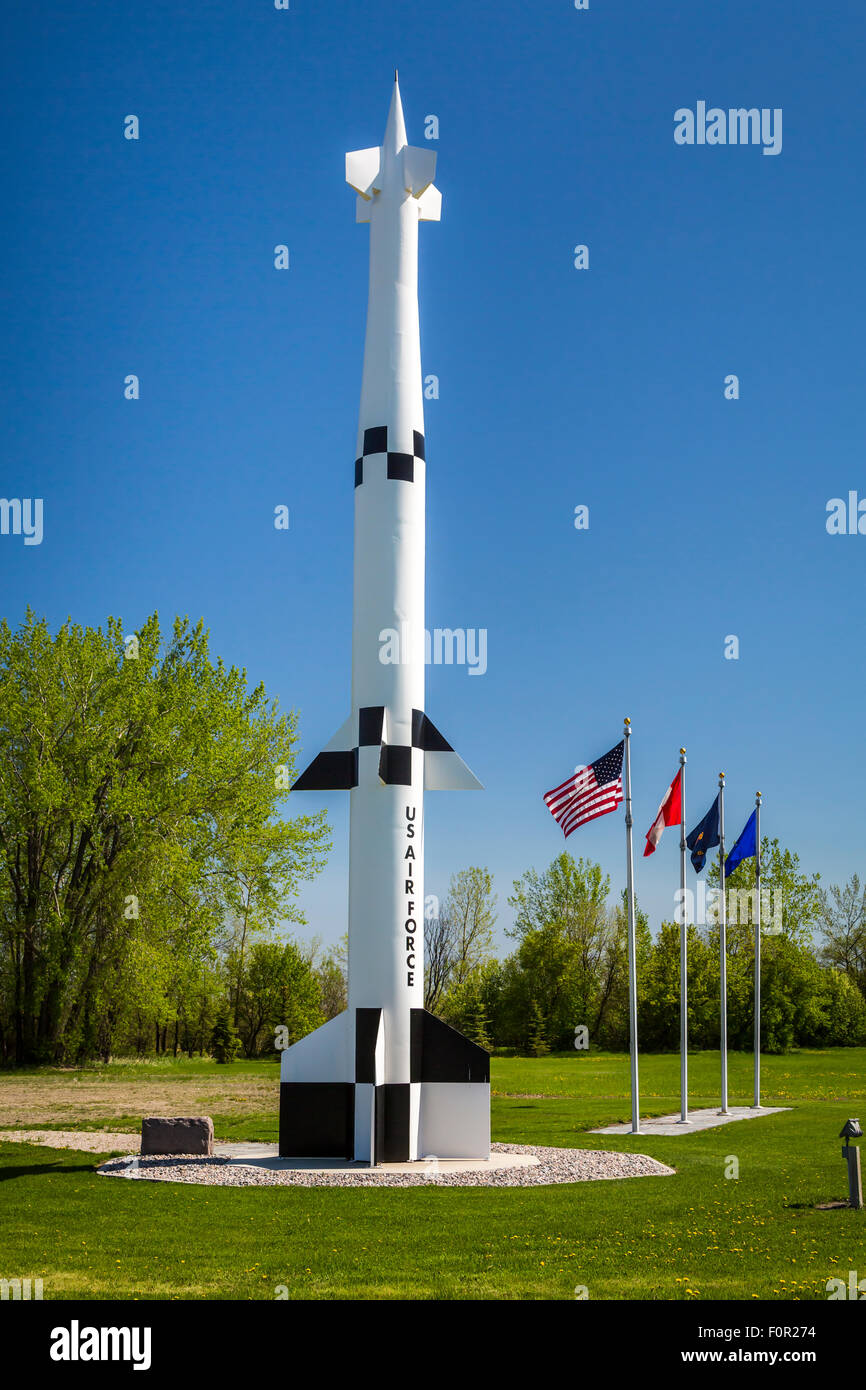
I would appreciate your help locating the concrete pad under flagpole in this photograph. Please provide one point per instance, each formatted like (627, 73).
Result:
(698, 1119)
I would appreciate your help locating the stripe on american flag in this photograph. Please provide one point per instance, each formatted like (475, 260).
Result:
(589, 793)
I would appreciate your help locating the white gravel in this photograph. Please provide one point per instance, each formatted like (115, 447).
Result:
(554, 1166)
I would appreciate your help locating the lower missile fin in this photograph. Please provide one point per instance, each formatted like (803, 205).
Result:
(430, 205)
(336, 767)
(444, 770)
(439, 1053)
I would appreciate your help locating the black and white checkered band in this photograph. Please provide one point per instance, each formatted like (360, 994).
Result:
(317, 1119)
(339, 770)
(398, 466)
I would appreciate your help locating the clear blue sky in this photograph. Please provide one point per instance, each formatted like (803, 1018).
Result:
(558, 387)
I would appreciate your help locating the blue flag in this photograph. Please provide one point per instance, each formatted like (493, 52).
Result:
(745, 847)
(704, 836)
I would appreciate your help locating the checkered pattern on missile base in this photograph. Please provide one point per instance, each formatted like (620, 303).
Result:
(400, 466)
(317, 1119)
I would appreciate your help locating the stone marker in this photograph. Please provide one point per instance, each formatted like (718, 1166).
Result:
(160, 1135)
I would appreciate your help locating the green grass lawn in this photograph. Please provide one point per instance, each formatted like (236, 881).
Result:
(697, 1235)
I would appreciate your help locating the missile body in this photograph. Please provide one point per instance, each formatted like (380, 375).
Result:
(385, 1080)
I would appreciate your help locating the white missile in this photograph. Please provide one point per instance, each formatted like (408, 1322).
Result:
(385, 1081)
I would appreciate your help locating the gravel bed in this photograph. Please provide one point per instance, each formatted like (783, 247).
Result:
(555, 1166)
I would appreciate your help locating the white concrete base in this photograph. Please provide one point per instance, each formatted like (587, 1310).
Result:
(698, 1120)
(254, 1155)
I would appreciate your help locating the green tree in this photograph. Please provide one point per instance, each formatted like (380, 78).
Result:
(138, 784)
(331, 971)
(843, 923)
(573, 894)
(225, 1043)
(538, 1044)
(796, 895)
(570, 949)
(460, 937)
(477, 1027)
(278, 990)
(470, 1007)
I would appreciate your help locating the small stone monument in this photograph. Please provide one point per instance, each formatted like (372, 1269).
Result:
(162, 1135)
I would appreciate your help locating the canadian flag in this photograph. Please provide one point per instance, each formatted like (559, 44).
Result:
(670, 813)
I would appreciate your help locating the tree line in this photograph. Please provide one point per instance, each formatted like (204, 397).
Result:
(149, 879)
(566, 981)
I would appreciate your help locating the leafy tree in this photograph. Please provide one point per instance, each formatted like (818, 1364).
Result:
(278, 989)
(331, 973)
(799, 894)
(843, 921)
(461, 937)
(469, 1006)
(573, 894)
(139, 784)
(570, 947)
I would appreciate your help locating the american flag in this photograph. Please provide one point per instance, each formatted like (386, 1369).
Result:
(590, 792)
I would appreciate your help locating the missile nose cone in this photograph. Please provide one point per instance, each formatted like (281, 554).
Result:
(395, 131)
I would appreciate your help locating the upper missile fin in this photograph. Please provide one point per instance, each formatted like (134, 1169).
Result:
(444, 770)
(362, 170)
(419, 169)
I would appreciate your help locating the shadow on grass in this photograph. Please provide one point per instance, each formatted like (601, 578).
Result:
(34, 1170)
(828, 1204)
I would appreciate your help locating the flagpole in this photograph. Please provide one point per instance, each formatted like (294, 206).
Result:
(632, 962)
(757, 1105)
(684, 979)
(723, 948)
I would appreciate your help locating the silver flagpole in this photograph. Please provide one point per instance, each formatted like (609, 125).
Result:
(632, 961)
(684, 978)
(723, 947)
(757, 950)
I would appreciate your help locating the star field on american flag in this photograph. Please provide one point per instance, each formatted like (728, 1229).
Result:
(589, 793)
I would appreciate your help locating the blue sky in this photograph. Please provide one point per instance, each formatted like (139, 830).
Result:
(558, 387)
